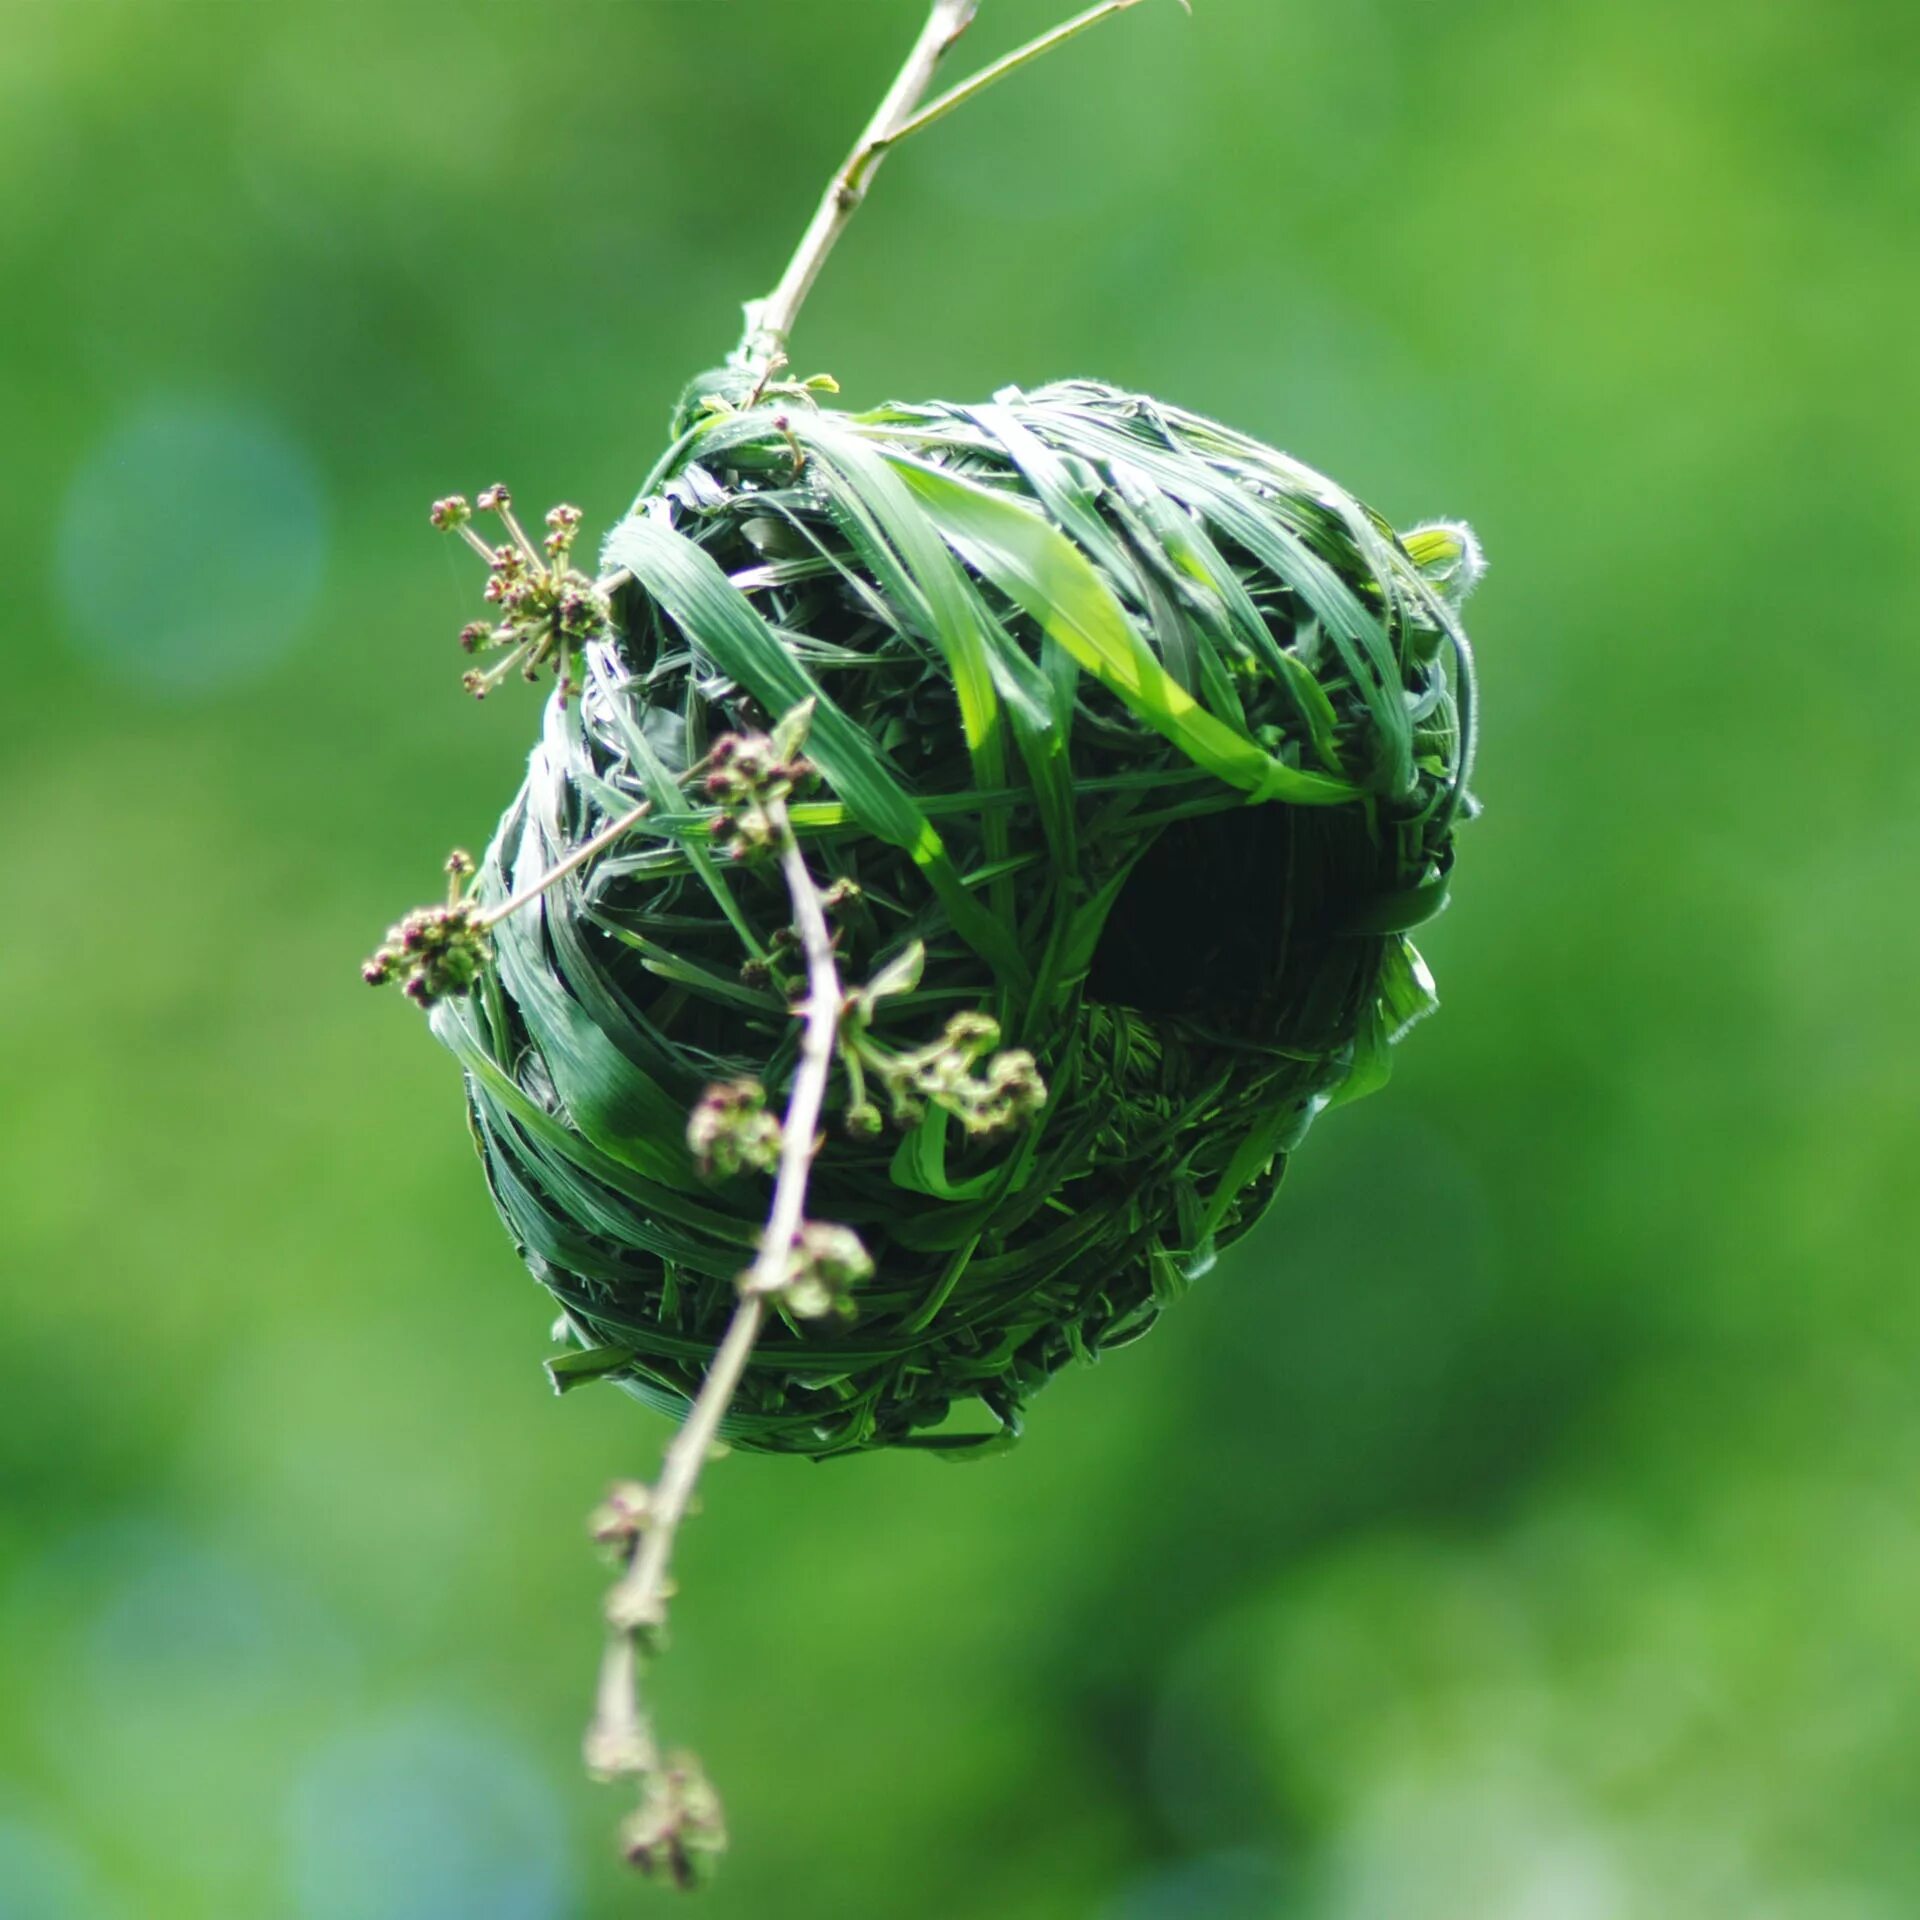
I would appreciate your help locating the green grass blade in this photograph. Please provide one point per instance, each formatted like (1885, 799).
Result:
(718, 620)
(1038, 568)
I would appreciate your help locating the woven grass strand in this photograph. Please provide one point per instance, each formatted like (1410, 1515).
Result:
(1155, 739)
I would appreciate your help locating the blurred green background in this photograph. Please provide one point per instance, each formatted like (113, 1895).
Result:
(1525, 1526)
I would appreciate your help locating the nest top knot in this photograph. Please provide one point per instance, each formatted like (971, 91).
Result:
(1139, 743)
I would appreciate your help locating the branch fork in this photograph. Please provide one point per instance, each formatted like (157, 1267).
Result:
(904, 112)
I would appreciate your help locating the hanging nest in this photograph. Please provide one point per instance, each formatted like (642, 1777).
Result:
(1151, 739)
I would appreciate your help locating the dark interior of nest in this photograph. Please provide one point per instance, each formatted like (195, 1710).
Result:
(1230, 922)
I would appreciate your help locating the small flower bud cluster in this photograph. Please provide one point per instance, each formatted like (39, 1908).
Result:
(731, 1131)
(961, 1073)
(823, 1266)
(435, 952)
(622, 1517)
(838, 903)
(749, 774)
(546, 610)
(679, 1831)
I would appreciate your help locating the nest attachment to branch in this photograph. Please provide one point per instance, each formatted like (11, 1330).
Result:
(1153, 739)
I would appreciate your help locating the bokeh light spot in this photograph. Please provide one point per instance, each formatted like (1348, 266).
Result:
(185, 1628)
(1221, 1886)
(42, 1878)
(191, 545)
(138, 1629)
(426, 1818)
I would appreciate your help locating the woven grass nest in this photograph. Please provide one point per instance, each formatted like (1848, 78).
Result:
(1152, 738)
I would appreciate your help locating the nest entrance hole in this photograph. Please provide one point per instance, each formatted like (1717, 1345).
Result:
(1211, 920)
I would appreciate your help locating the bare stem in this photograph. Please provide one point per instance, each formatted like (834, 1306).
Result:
(900, 115)
(770, 321)
(587, 849)
(800, 1130)
(1010, 63)
(581, 854)
(621, 1739)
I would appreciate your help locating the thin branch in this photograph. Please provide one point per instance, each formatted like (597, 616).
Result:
(621, 1739)
(586, 850)
(1009, 63)
(800, 1130)
(581, 854)
(771, 321)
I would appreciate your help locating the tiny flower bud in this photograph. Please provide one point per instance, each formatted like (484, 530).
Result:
(972, 1034)
(731, 1131)
(547, 611)
(439, 950)
(824, 1265)
(678, 1830)
(623, 1516)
